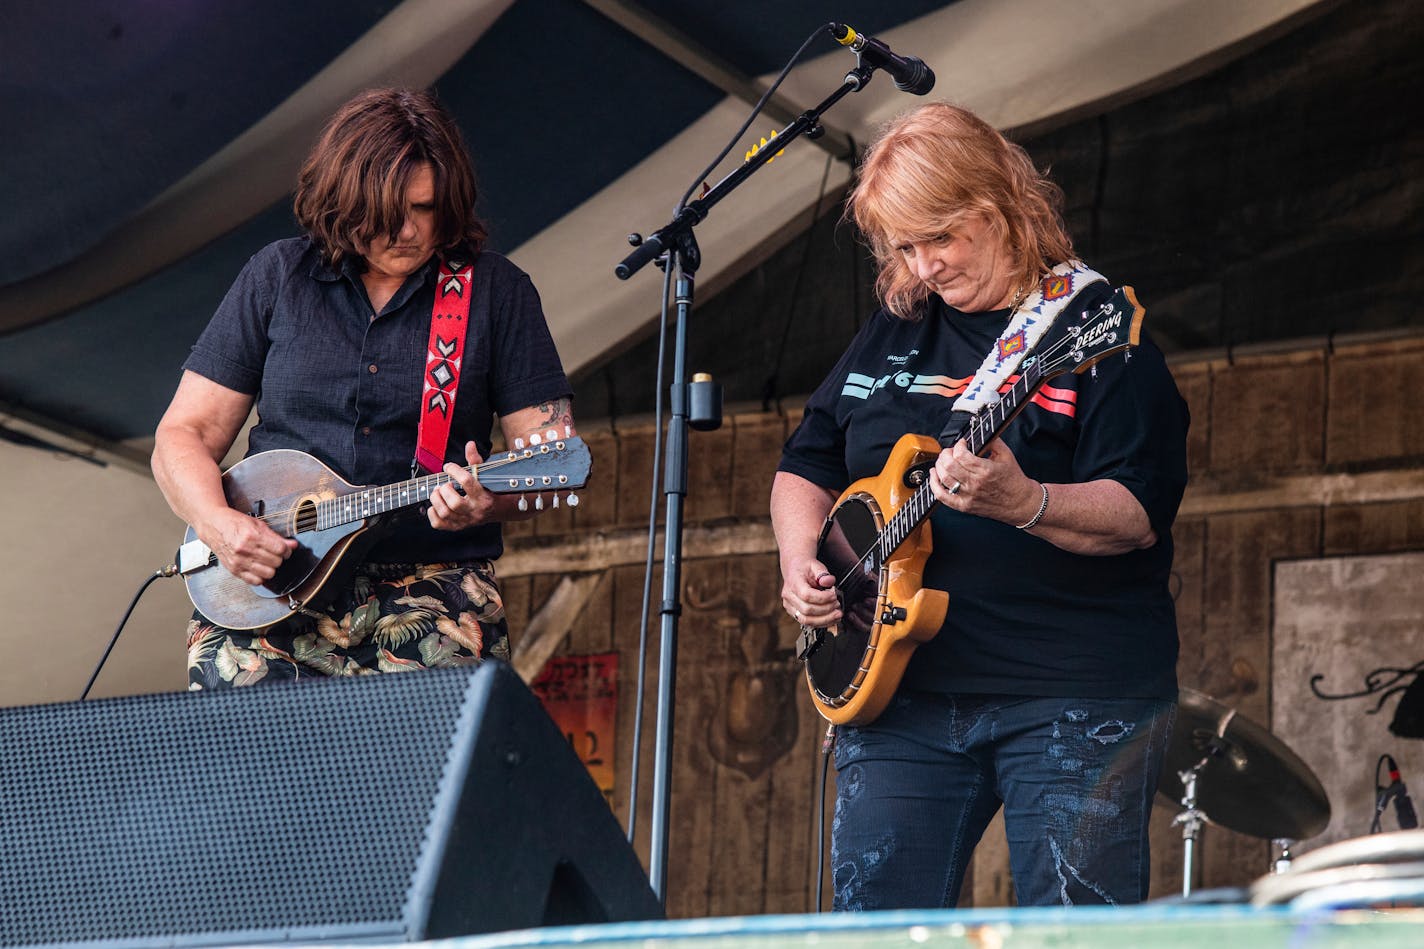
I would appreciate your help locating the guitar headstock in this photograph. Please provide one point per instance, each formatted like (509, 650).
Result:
(1114, 327)
(538, 464)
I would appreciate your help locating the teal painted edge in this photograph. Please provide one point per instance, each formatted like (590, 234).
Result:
(1162, 926)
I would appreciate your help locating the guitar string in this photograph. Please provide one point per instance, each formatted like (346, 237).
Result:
(272, 518)
(977, 424)
(896, 527)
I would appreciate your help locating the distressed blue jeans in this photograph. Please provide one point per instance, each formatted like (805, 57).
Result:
(917, 787)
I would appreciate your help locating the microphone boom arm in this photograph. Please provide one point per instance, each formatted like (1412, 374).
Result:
(676, 233)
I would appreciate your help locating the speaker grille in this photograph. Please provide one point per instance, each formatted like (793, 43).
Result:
(223, 815)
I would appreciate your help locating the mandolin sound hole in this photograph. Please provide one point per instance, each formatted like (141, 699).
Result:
(847, 538)
(306, 517)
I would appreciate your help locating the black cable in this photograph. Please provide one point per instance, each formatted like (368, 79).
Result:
(168, 571)
(648, 560)
(769, 387)
(1380, 801)
(756, 110)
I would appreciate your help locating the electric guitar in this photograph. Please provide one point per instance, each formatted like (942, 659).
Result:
(877, 538)
(332, 520)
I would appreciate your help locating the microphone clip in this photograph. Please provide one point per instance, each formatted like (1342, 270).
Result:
(909, 73)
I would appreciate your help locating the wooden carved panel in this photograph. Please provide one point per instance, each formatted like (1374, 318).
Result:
(1350, 621)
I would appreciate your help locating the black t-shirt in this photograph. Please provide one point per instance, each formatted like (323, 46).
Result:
(1025, 617)
(333, 381)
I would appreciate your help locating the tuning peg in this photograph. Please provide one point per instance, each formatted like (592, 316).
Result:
(519, 443)
(534, 439)
(538, 502)
(573, 499)
(523, 503)
(556, 500)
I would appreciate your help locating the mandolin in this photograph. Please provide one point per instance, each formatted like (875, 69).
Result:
(332, 520)
(877, 537)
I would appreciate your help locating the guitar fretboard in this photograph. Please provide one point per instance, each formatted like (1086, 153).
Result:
(333, 512)
(348, 508)
(983, 429)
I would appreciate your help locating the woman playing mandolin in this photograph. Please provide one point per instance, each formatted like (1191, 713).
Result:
(1048, 686)
(330, 335)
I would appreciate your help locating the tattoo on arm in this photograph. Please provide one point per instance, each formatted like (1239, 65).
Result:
(558, 412)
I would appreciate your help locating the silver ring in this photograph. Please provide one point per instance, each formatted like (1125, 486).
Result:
(955, 489)
(797, 614)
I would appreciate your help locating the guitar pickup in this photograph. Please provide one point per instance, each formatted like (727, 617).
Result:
(808, 642)
(194, 555)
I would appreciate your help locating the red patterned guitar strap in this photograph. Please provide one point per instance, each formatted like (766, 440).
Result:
(449, 324)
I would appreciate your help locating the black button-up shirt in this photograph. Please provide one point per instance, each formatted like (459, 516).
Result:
(342, 383)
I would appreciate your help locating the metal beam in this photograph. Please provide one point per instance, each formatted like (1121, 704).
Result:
(686, 52)
(587, 551)
(47, 434)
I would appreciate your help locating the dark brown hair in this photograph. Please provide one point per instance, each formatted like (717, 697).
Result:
(936, 165)
(352, 186)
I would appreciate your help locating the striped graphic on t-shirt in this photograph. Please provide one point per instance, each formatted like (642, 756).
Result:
(860, 386)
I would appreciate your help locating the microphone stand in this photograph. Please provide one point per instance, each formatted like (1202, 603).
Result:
(677, 241)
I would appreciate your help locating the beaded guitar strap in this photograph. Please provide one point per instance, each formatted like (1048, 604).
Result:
(449, 324)
(1030, 320)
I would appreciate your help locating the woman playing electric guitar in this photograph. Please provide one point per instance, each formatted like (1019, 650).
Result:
(1046, 684)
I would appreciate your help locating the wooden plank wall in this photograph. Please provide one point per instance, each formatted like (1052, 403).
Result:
(1304, 452)
(1315, 452)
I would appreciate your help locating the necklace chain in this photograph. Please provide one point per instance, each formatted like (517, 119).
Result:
(1021, 293)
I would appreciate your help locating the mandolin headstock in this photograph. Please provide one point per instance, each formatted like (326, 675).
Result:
(542, 462)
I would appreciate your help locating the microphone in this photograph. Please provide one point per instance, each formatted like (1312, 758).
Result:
(1403, 806)
(910, 74)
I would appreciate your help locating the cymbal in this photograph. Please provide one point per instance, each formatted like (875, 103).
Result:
(1251, 782)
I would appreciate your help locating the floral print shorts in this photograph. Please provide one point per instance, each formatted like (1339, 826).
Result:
(392, 618)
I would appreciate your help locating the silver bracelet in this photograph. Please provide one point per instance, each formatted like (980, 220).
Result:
(1033, 521)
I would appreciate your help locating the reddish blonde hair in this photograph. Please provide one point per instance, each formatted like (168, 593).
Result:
(351, 188)
(929, 170)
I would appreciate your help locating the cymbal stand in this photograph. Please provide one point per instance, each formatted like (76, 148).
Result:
(1191, 820)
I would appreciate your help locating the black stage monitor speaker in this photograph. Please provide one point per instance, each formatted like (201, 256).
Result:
(393, 807)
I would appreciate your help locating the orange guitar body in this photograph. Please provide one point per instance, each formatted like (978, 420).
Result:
(877, 538)
(857, 665)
